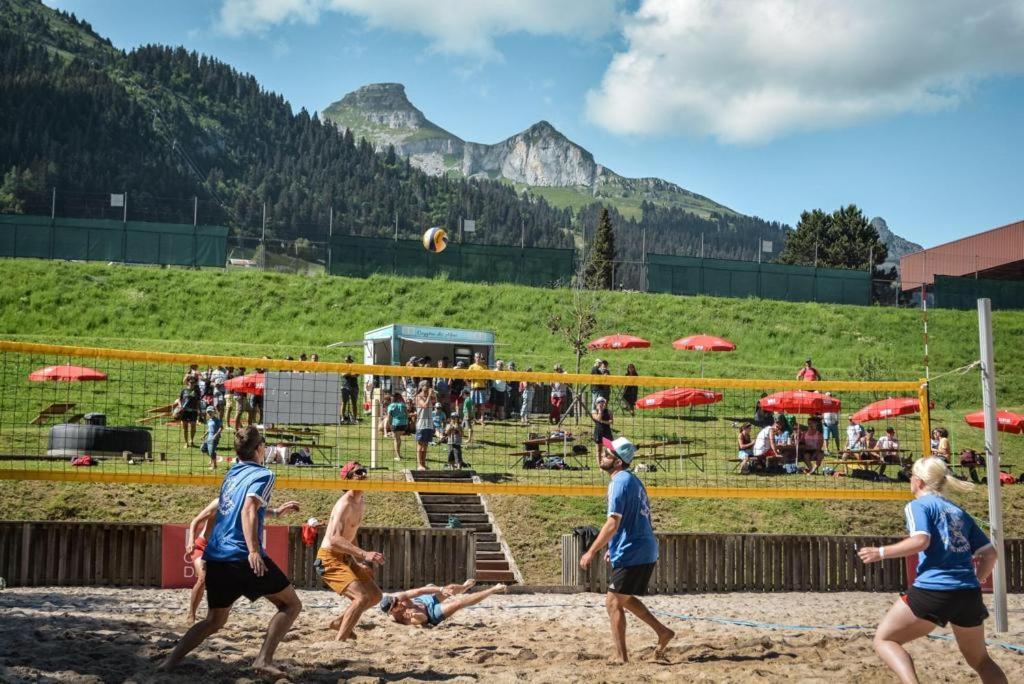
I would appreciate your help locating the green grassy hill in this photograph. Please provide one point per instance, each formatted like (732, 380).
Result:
(252, 313)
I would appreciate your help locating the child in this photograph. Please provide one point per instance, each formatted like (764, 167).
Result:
(468, 409)
(398, 416)
(213, 429)
(453, 434)
(438, 420)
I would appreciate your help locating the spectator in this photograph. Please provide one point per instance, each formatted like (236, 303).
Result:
(811, 447)
(943, 450)
(764, 444)
(230, 402)
(314, 357)
(869, 439)
(241, 401)
(440, 420)
(602, 417)
(349, 394)
(398, 417)
(302, 457)
(854, 436)
(442, 387)
(479, 387)
(888, 448)
(512, 396)
(214, 427)
(762, 417)
(557, 397)
(744, 448)
(629, 392)
(467, 414)
(453, 435)
(527, 390)
(424, 406)
(276, 454)
(188, 409)
(455, 387)
(830, 427)
(499, 391)
(597, 390)
(409, 381)
(808, 373)
(193, 371)
(370, 393)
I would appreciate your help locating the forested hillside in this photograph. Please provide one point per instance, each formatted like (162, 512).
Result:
(159, 122)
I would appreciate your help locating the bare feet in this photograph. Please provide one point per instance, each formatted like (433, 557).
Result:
(268, 669)
(190, 618)
(499, 588)
(663, 640)
(347, 637)
(336, 623)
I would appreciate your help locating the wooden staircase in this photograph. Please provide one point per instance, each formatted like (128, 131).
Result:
(492, 563)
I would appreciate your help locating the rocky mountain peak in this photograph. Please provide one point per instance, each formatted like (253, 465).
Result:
(384, 104)
(897, 246)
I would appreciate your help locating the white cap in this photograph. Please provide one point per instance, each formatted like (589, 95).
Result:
(312, 522)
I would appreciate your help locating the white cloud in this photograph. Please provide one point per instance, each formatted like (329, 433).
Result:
(457, 27)
(749, 72)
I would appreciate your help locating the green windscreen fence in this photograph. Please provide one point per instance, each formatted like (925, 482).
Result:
(104, 240)
(729, 278)
(952, 292)
(361, 256)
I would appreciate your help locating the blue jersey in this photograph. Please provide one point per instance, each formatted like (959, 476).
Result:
(227, 542)
(947, 563)
(633, 543)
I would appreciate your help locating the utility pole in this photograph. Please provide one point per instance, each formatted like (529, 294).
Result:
(522, 235)
(330, 235)
(702, 245)
(643, 256)
(263, 240)
(53, 204)
(760, 245)
(124, 218)
(396, 225)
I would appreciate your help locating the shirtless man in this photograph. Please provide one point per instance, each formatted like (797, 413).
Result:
(341, 564)
(431, 604)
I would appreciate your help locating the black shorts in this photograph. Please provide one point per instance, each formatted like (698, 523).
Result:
(962, 607)
(631, 580)
(226, 581)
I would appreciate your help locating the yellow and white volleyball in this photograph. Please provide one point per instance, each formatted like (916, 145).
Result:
(435, 240)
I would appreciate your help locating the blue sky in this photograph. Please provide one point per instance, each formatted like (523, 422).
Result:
(913, 110)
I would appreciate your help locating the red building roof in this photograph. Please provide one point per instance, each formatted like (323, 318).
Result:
(997, 254)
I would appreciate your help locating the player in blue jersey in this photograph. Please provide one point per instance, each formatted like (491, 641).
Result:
(948, 544)
(236, 563)
(632, 547)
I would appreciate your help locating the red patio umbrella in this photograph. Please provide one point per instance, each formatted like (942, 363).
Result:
(251, 383)
(800, 401)
(1006, 421)
(678, 396)
(704, 343)
(886, 408)
(618, 342)
(66, 373)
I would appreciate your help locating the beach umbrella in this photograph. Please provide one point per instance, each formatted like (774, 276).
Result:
(251, 383)
(887, 408)
(678, 396)
(704, 344)
(66, 373)
(618, 342)
(800, 401)
(1006, 421)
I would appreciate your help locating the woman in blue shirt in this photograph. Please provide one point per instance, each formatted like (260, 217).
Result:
(947, 589)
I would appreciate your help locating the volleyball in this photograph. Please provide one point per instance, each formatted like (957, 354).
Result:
(435, 240)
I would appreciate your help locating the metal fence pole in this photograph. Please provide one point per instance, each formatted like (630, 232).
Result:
(263, 241)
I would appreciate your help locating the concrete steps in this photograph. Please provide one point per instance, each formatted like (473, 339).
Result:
(492, 565)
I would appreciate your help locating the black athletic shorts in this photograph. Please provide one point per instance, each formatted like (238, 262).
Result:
(226, 581)
(962, 607)
(631, 580)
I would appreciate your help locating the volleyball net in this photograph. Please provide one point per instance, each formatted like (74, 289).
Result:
(105, 415)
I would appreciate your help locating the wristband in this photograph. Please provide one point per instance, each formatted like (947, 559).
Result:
(881, 552)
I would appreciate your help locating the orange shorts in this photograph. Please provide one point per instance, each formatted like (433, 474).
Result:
(339, 571)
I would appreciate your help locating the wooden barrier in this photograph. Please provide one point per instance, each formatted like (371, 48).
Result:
(700, 563)
(129, 555)
(414, 556)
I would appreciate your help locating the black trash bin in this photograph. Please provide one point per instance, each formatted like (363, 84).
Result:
(95, 418)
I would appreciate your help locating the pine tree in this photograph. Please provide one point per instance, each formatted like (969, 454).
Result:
(599, 272)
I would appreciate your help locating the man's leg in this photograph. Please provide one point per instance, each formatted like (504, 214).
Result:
(454, 589)
(288, 608)
(453, 605)
(363, 594)
(197, 590)
(637, 607)
(617, 616)
(899, 626)
(197, 633)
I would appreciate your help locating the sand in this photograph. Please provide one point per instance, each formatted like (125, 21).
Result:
(113, 635)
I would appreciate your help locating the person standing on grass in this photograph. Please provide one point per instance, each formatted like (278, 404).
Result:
(398, 417)
(830, 427)
(467, 414)
(602, 417)
(188, 403)
(629, 392)
(557, 397)
(527, 389)
(236, 563)
(947, 588)
(341, 564)
(479, 387)
(214, 427)
(349, 394)
(808, 372)
(424, 404)
(632, 548)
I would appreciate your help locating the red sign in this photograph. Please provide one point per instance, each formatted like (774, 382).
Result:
(177, 571)
(911, 561)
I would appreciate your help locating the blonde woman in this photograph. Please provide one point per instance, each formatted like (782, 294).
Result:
(947, 589)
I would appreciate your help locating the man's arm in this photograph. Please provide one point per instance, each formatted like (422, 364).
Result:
(204, 516)
(611, 526)
(340, 544)
(250, 525)
(419, 591)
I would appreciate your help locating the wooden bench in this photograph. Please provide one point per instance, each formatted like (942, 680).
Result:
(51, 411)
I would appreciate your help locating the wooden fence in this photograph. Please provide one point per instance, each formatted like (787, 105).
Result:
(699, 563)
(80, 554)
(129, 555)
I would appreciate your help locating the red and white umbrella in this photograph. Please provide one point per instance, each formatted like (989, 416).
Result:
(887, 408)
(66, 373)
(678, 396)
(800, 401)
(618, 342)
(1006, 421)
(251, 383)
(704, 343)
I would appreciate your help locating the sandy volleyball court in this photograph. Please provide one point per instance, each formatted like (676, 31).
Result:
(114, 635)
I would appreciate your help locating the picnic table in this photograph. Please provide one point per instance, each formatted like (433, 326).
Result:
(534, 446)
(658, 451)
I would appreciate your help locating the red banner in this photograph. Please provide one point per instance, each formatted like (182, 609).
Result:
(911, 561)
(177, 571)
